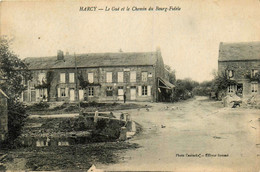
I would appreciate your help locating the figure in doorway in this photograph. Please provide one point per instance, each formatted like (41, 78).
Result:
(124, 97)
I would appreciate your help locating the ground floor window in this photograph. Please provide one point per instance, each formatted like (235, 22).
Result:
(62, 92)
(43, 93)
(231, 88)
(109, 91)
(144, 90)
(254, 87)
(91, 91)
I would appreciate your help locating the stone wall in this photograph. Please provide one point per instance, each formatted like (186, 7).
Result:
(99, 76)
(241, 69)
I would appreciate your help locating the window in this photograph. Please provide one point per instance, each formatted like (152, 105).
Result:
(42, 78)
(254, 72)
(230, 73)
(90, 77)
(254, 87)
(144, 76)
(41, 92)
(109, 91)
(133, 76)
(62, 78)
(71, 77)
(109, 77)
(231, 88)
(120, 76)
(62, 92)
(91, 91)
(144, 90)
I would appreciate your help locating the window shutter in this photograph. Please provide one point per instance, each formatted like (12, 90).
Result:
(58, 92)
(139, 90)
(149, 90)
(37, 93)
(67, 92)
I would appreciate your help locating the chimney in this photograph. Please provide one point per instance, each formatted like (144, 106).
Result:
(158, 50)
(60, 55)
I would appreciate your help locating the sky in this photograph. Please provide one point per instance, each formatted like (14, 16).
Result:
(188, 39)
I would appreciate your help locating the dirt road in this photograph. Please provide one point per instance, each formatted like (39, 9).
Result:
(194, 135)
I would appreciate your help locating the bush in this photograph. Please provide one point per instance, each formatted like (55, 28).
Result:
(38, 106)
(16, 119)
(107, 130)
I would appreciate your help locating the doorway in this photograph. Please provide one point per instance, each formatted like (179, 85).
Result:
(120, 93)
(240, 89)
(133, 93)
(72, 95)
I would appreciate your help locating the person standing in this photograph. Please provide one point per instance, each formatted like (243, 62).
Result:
(124, 97)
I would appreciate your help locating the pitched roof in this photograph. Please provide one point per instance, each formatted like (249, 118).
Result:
(93, 60)
(239, 51)
(166, 83)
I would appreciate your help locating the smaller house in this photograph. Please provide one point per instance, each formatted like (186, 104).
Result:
(3, 116)
(240, 62)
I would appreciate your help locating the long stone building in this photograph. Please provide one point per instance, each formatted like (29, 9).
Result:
(97, 77)
(241, 63)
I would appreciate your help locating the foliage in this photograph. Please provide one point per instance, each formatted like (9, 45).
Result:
(172, 76)
(204, 88)
(47, 84)
(183, 89)
(38, 106)
(255, 78)
(107, 130)
(16, 119)
(14, 71)
(222, 81)
(86, 84)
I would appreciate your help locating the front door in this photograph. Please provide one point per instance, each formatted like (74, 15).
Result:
(120, 93)
(240, 89)
(72, 95)
(133, 93)
(81, 95)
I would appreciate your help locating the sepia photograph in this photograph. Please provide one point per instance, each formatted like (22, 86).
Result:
(130, 85)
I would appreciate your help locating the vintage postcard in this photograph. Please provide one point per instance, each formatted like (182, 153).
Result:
(130, 85)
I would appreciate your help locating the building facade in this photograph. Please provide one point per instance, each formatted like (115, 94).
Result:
(96, 77)
(241, 62)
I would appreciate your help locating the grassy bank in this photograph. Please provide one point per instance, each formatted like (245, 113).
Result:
(75, 157)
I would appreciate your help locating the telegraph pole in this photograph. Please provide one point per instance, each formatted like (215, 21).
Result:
(76, 81)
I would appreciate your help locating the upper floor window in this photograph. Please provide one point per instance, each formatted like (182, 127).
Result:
(109, 77)
(62, 78)
(42, 78)
(90, 77)
(254, 87)
(120, 76)
(133, 76)
(71, 77)
(230, 73)
(253, 72)
(144, 76)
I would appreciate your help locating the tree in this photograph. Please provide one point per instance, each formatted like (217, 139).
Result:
(172, 76)
(14, 70)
